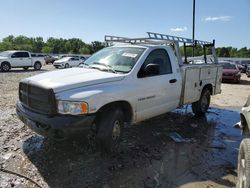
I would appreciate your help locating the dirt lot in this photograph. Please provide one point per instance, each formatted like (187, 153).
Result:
(147, 158)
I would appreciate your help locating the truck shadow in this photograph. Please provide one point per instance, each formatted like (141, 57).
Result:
(148, 157)
(245, 82)
(242, 82)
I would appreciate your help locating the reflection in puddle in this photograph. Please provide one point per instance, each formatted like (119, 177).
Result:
(35, 144)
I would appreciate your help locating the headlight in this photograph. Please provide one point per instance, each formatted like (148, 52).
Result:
(74, 108)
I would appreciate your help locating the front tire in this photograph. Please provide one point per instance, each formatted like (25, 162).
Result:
(200, 107)
(109, 129)
(5, 67)
(244, 164)
(66, 66)
(37, 66)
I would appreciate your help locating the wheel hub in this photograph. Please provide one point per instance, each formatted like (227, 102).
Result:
(37, 66)
(116, 130)
(5, 67)
(242, 173)
(204, 103)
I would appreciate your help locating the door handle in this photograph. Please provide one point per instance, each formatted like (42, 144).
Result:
(172, 81)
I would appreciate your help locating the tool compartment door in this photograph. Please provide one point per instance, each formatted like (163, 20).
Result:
(218, 80)
(208, 73)
(191, 88)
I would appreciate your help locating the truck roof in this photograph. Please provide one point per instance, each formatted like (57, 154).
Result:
(12, 51)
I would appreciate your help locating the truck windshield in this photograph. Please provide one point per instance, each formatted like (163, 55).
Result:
(119, 59)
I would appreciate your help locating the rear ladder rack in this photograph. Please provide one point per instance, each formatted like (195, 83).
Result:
(162, 39)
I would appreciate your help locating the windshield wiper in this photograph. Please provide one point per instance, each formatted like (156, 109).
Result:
(109, 67)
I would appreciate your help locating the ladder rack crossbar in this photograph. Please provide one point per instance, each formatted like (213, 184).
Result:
(170, 38)
(109, 38)
(156, 38)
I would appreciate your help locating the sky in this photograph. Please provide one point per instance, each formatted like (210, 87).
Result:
(226, 21)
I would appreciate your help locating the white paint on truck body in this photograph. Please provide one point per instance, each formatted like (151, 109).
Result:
(147, 96)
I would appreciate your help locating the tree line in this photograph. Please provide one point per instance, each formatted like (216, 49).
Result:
(52, 45)
(77, 46)
(220, 51)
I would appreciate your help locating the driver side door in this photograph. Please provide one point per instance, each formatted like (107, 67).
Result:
(156, 94)
(20, 59)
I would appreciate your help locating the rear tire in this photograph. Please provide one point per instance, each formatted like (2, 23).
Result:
(37, 66)
(200, 107)
(109, 130)
(5, 67)
(244, 164)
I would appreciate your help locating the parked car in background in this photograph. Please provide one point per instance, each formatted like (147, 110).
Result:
(231, 73)
(67, 62)
(50, 59)
(248, 71)
(238, 64)
(83, 58)
(245, 64)
(244, 151)
(19, 59)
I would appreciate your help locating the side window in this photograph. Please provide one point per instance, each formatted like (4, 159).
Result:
(16, 55)
(25, 54)
(161, 58)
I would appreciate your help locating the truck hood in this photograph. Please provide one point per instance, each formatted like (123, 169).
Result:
(60, 61)
(72, 78)
(230, 71)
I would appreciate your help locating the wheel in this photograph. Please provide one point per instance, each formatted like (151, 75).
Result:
(25, 68)
(244, 164)
(5, 67)
(109, 129)
(200, 107)
(66, 65)
(37, 66)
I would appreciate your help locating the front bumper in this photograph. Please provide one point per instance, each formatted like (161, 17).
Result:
(58, 127)
(59, 65)
(231, 78)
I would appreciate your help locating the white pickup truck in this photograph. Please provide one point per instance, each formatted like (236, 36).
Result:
(118, 84)
(19, 59)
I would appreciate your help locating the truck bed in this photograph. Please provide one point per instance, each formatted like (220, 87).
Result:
(195, 77)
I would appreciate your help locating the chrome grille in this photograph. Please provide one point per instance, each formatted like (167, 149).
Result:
(37, 98)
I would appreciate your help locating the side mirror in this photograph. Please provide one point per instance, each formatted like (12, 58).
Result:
(151, 70)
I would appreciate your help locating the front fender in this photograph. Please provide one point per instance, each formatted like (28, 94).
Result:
(99, 96)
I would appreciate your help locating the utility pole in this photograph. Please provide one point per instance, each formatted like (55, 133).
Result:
(193, 37)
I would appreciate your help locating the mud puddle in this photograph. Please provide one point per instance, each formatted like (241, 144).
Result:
(148, 157)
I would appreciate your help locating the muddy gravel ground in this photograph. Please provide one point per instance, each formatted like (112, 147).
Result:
(148, 157)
